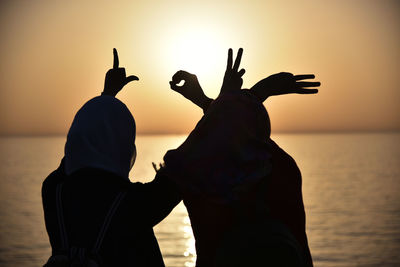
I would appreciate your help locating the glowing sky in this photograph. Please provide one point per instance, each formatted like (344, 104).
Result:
(54, 55)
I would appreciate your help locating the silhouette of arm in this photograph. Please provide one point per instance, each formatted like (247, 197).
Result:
(116, 78)
(284, 83)
(191, 88)
(162, 196)
(276, 84)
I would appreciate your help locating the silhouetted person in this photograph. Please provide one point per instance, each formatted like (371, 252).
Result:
(93, 213)
(242, 191)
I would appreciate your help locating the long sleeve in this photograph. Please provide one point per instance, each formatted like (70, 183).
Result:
(160, 198)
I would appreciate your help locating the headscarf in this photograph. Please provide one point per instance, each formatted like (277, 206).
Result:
(102, 135)
(226, 153)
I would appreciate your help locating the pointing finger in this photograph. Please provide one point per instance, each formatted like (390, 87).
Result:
(304, 76)
(116, 60)
(238, 59)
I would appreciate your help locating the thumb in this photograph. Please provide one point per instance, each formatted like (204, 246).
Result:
(131, 79)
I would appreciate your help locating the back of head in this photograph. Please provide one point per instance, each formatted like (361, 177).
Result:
(227, 153)
(102, 135)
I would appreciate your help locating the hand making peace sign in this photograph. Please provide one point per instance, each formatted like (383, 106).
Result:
(233, 77)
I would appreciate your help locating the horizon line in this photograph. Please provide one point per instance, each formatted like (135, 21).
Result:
(187, 133)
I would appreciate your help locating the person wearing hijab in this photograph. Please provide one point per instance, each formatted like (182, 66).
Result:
(241, 190)
(93, 213)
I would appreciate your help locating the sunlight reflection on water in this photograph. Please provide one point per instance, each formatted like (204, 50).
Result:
(351, 190)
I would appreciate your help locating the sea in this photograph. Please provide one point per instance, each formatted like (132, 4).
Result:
(351, 192)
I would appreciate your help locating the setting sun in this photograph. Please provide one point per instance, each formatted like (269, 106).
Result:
(332, 158)
(196, 50)
(199, 49)
(65, 60)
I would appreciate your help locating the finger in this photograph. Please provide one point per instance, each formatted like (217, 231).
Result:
(308, 84)
(241, 72)
(131, 79)
(306, 91)
(229, 63)
(238, 59)
(174, 87)
(304, 76)
(181, 75)
(116, 60)
(175, 83)
(154, 166)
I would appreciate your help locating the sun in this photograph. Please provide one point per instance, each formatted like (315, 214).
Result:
(199, 50)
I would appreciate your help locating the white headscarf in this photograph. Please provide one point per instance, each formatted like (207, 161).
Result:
(101, 136)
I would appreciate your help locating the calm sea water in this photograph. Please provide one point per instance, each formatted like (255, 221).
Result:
(351, 190)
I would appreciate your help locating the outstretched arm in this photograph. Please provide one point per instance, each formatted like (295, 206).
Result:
(160, 197)
(116, 78)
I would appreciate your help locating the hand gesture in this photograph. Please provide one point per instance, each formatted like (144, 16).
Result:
(191, 89)
(284, 83)
(116, 78)
(157, 169)
(233, 78)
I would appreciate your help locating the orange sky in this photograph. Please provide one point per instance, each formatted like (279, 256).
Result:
(54, 55)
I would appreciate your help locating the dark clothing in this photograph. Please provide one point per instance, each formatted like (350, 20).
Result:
(285, 199)
(87, 195)
(232, 175)
(282, 196)
(227, 149)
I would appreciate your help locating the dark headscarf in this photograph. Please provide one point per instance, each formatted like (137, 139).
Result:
(101, 136)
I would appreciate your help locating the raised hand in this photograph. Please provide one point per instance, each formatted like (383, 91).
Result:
(116, 78)
(233, 77)
(284, 83)
(191, 88)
